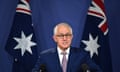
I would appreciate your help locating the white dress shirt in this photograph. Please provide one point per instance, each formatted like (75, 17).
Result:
(61, 56)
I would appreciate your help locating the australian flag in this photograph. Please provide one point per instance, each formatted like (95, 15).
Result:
(95, 38)
(21, 43)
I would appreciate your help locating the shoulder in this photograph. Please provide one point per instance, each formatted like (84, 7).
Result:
(78, 50)
(47, 51)
(75, 49)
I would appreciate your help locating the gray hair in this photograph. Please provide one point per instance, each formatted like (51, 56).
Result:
(62, 24)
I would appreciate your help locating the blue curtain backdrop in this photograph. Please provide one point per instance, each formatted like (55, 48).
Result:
(47, 13)
(113, 14)
(7, 10)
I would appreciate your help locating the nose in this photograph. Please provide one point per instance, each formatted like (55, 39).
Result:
(64, 37)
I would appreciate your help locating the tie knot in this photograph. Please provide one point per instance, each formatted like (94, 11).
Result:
(63, 53)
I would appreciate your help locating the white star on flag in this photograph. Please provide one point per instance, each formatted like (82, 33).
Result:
(24, 43)
(91, 45)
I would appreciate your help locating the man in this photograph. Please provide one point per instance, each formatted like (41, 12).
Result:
(64, 58)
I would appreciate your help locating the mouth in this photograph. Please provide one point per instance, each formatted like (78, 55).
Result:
(65, 43)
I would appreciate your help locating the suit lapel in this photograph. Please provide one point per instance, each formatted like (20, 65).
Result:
(55, 61)
(71, 60)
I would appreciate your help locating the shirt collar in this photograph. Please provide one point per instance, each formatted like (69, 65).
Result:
(60, 51)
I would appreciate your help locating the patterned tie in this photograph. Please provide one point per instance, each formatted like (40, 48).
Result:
(64, 61)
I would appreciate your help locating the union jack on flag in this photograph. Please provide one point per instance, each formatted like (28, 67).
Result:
(95, 36)
(21, 43)
(97, 9)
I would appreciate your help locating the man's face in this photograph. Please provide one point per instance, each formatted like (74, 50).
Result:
(63, 37)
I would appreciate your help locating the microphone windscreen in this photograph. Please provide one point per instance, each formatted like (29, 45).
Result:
(84, 67)
(42, 68)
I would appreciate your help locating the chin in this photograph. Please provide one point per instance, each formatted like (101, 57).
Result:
(65, 47)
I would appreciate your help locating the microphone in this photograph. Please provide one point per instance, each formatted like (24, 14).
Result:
(42, 68)
(85, 68)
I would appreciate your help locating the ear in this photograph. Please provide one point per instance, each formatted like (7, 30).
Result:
(72, 37)
(54, 38)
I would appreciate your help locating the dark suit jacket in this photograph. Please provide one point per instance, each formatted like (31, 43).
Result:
(50, 61)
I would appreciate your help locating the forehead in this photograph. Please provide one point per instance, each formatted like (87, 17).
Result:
(63, 28)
